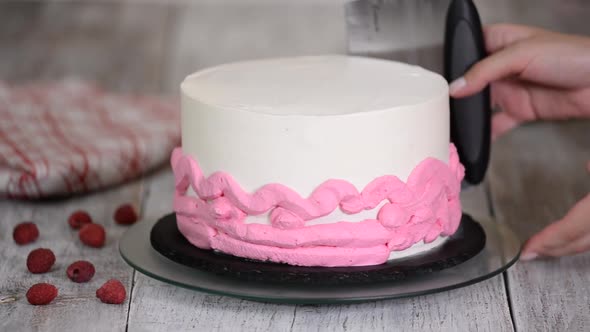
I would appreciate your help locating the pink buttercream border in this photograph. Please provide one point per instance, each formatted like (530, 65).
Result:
(422, 209)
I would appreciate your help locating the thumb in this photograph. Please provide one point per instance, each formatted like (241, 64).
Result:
(567, 236)
(503, 122)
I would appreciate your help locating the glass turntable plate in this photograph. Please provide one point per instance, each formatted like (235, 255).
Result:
(501, 250)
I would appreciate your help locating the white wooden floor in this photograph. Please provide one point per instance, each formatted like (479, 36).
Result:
(536, 173)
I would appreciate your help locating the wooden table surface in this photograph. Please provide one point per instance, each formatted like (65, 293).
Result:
(537, 172)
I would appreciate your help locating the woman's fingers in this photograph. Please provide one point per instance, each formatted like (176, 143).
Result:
(503, 122)
(507, 58)
(513, 99)
(567, 236)
(525, 101)
(549, 240)
(502, 64)
(579, 246)
(499, 36)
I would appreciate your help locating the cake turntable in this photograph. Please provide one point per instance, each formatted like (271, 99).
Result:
(492, 249)
(167, 240)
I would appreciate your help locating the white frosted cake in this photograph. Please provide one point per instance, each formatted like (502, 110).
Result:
(316, 161)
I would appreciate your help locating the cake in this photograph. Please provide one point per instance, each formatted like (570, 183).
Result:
(316, 161)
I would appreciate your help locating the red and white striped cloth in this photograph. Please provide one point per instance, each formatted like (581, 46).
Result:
(69, 137)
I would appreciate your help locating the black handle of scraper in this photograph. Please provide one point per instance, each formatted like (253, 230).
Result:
(470, 116)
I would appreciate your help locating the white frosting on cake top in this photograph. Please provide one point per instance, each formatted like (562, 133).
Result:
(314, 85)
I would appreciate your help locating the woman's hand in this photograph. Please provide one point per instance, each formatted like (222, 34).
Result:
(568, 236)
(537, 75)
(534, 74)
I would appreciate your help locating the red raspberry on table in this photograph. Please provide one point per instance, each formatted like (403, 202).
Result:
(125, 215)
(92, 235)
(41, 294)
(80, 271)
(25, 232)
(79, 219)
(40, 260)
(112, 292)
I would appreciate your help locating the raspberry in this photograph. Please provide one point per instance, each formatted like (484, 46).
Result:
(80, 271)
(125, 215)
(79, 219)
(25, 232)
(41, 294)
(40, 260)
(112, 292)
(92, 235)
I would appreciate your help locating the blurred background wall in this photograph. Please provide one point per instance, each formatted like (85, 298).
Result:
(416, 27)
(150, 45)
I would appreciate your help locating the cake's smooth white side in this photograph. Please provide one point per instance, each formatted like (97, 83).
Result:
(263, 123)
(301, 121)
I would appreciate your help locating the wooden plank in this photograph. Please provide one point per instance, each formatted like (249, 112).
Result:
(157, 306)
(536, 175)
(481, 307)
(76, 307)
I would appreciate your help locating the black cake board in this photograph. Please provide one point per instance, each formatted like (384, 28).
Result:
(167, 240)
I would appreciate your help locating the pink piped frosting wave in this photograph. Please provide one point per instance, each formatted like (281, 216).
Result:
(421, 209)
